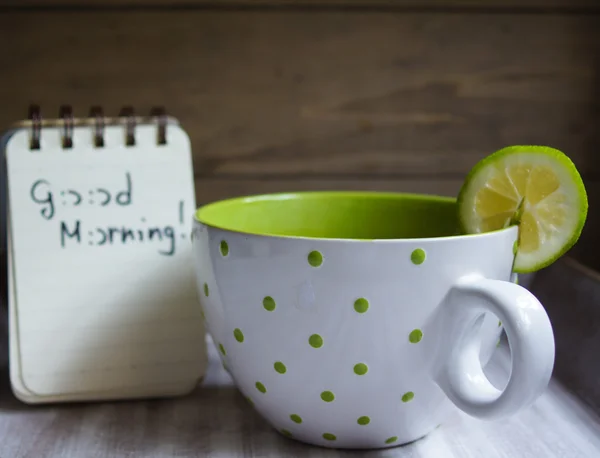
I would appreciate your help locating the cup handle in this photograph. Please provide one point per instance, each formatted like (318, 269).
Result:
(529, 332)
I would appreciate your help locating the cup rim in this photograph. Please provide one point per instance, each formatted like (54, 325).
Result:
(198, 215)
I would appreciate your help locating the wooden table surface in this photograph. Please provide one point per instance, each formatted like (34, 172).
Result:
(215, 421)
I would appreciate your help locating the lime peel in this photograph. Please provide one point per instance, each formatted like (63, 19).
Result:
(537, 188)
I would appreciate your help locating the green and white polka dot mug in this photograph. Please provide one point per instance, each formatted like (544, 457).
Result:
(356, 320)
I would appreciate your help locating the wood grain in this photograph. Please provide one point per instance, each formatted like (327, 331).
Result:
(209, 189)
(216, 421)
(293, 95)
(539, 5)
(276, 94)
(570, 293)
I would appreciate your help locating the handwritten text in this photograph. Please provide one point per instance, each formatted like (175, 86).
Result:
(76, 232)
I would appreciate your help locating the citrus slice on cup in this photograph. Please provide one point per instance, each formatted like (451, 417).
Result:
(537, 188)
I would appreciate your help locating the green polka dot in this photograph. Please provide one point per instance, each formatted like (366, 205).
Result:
(250, 401)
(361, 305)
(329, 437)
(280, 367)
(285, 432)
(327, 396)
(363, 421)
(515, 247)
(269, 304)
(315, 258)
(391, 440)
(408, 396)
(202, 314)
(361, 369)
(415, 336)
(238, 334)
(418, 256)
(315, 341)
(224, 248)
(205, 289)
(222, 348)
(296, 418)
(499, 323)
(498, 343)
(260, 387)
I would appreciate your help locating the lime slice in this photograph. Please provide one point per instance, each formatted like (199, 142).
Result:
(536, 187)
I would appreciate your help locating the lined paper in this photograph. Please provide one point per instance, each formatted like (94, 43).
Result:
(103, 300)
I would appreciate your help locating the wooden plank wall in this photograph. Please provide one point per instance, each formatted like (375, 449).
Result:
(341, 94)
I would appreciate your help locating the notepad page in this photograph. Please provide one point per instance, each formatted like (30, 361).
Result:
(104, 300)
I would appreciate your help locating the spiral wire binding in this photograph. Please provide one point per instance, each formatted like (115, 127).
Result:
(129, 115)
(66, 113)
(36, 126)
(98, 116)
(161, 115)
(98, 121)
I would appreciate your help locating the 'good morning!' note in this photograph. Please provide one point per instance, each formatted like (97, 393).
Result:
(74, 232)
(103, 300)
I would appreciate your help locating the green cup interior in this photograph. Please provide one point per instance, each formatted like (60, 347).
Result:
(340, 215)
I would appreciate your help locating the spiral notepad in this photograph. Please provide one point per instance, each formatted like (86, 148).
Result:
(102, 299)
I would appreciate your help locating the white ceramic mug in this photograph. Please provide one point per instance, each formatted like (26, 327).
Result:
(352, 320)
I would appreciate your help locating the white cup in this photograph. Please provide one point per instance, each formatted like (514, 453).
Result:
(354, 320)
